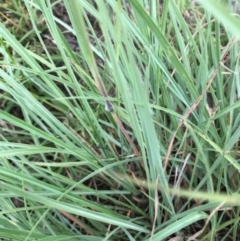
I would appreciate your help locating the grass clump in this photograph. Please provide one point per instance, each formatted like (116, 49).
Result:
(119, 120)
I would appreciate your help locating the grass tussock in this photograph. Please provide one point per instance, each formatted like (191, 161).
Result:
(119, 120)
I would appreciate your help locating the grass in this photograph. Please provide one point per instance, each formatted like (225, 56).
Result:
(133, 137)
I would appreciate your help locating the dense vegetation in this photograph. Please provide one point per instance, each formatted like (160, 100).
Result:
(119, 120)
